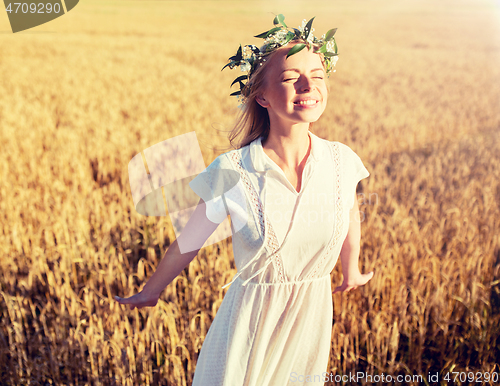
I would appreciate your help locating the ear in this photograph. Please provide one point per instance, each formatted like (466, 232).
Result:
(261, 100)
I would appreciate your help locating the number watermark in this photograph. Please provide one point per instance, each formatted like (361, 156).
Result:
(29, 14)
(361, 376)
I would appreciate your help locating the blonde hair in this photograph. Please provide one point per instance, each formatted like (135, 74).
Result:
(253, 121)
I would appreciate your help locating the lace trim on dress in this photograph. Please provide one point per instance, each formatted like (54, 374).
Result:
(258, 209)
(339, 220)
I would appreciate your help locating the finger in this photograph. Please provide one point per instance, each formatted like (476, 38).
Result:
(339, 288)
(121, 300)
(124, 301)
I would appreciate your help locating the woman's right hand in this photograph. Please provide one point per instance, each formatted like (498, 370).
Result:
(142, 299)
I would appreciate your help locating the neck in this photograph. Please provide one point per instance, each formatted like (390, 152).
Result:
(289, 147)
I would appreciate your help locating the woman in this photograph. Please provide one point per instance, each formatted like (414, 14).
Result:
(301, 213)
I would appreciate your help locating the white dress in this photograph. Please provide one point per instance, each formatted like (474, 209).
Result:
(274, 325)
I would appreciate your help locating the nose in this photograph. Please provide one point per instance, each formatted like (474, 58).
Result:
(306, 84)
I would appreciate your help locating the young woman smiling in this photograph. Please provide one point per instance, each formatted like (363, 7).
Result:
(298, 212)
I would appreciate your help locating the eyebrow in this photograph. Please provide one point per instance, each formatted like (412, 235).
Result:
(296, 70)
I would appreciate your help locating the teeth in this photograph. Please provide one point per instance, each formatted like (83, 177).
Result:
(308, 102)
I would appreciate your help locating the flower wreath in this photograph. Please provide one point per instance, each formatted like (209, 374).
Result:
(249, 57)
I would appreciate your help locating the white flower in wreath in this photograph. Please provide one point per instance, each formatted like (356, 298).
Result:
(246, 67)
(334, 60)
(330, 46)
(310, 38)
(246, 52)
(280, 37)
(241, 101)
(303, 26)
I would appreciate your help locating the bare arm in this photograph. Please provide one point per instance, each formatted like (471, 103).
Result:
(195, 233)
(349, 255)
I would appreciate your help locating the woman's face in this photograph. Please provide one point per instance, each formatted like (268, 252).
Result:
(294, 89)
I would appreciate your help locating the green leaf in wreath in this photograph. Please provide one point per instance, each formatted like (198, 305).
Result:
(230, 64)
(263, 35)
(308, 27)
(271, 31)
(322, 49)
(239, 79)
(296, 48)
(289, 36)
(329, 34)
(238, 56)
(280, 19)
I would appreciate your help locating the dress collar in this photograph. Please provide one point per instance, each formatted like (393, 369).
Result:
(259, 158)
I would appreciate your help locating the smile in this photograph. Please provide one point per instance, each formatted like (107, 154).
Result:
(309, 102)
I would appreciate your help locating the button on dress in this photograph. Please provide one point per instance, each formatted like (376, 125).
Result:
(274, 325)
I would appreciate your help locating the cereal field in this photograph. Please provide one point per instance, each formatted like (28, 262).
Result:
(415, 95)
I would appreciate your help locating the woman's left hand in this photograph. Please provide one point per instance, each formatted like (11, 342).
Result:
(353, 283)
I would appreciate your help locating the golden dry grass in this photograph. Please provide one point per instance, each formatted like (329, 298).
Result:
(415, 95)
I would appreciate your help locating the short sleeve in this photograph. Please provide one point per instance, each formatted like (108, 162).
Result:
(353, 172)
(211, 184)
